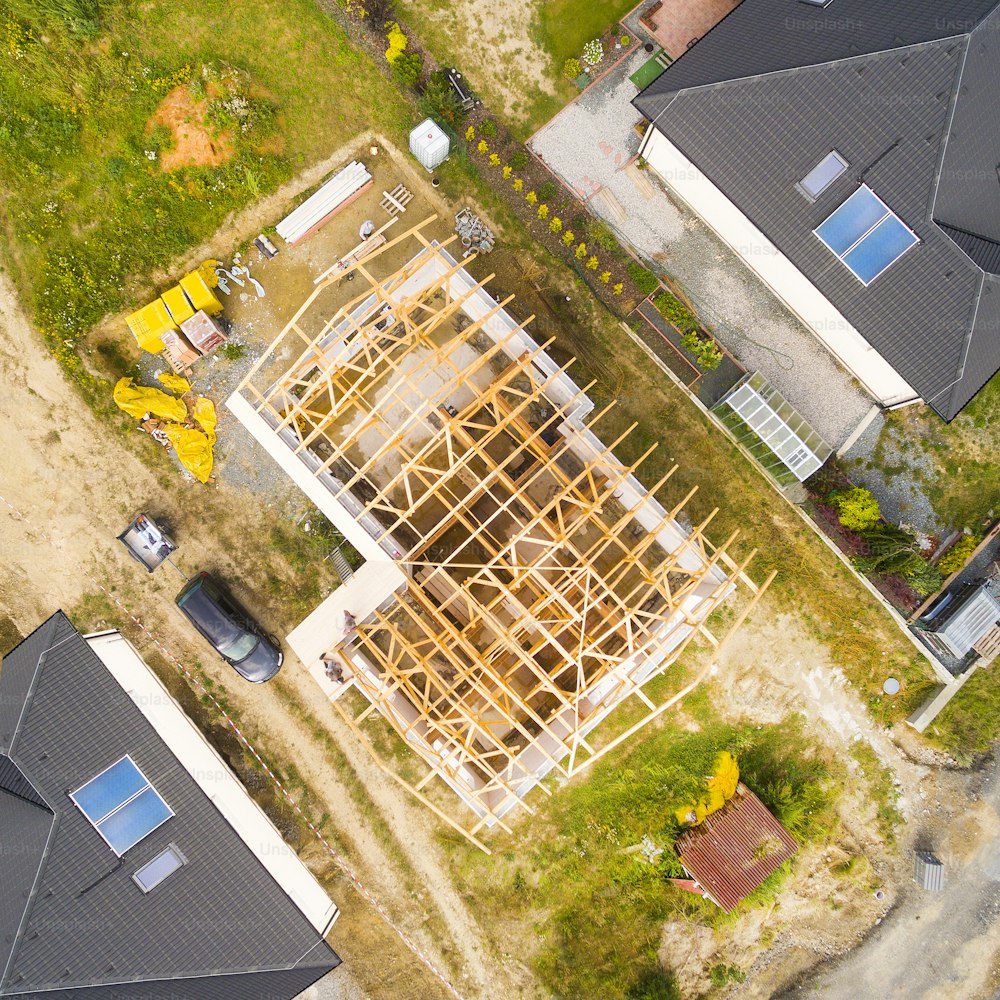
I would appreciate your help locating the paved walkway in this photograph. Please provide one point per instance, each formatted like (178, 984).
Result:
(591, 145)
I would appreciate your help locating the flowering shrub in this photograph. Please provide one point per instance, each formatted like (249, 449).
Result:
(591, 264)
(568, 237)
(494, 160)
(556, 224)
(572, 68)
(543, 211)
(506, 173)
(605, 276)
(397, 43)
(531, 197)
(482, 146)
(470, 134)
(593, 52)
(518, 184)
(581, 251)
(957, 556)
(618, 289)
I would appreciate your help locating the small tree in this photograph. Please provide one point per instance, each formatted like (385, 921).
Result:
(407, 68)
(958, 555)
(856, 508)
(397, 43)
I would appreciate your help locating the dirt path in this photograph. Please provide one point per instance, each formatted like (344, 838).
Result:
(934, 945)
(72, 482)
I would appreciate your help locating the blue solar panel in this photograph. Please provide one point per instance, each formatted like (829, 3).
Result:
(109, 789)
(848, 223)
(139, 817)
(889, 240)
(122, 805)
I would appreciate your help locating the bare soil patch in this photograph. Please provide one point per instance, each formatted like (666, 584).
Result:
(196, 142)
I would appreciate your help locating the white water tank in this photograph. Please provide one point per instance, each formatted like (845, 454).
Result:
(429, 144)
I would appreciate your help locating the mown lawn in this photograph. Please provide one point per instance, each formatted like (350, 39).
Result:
(565, 26)
(88, 213)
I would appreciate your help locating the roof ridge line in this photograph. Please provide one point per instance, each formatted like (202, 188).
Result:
(819, 65)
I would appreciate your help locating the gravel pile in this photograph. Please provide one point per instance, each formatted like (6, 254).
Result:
(588, 144)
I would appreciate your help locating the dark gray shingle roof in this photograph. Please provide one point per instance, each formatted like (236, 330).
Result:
(63, 719)
(758, 102)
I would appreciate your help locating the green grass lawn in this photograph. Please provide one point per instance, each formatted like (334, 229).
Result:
(565, 26)
(89, 215)
(594, 910)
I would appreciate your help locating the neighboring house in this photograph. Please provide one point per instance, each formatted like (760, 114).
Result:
(732, 851)
(849, 151)
(134, 865)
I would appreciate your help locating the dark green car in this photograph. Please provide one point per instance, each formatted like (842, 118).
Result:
(235, 636)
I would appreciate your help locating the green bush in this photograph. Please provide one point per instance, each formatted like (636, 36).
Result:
(489, 128)
(547, 191)
(645, 281)
(705, 350)
(601, 234)
(439, 101)
(572, 68)
(674, 311)
(723, 975)
(957, 556)
(519, 160)
(857, 509)
(891, 550)
(407, 68)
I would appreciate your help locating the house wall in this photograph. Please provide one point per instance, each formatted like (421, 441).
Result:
(794, 289)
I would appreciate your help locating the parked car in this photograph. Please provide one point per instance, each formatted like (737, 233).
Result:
(236, 637)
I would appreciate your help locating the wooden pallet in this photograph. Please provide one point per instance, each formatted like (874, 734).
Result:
(396, 200)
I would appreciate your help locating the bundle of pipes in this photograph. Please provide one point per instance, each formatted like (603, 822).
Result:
(335, 194)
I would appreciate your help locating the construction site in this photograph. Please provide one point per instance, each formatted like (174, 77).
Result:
(520, 584)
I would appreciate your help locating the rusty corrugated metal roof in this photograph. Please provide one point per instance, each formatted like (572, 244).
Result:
(733, 850)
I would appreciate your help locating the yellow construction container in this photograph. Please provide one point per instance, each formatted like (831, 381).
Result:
(201, 296)
(148, 323)
(177, 304)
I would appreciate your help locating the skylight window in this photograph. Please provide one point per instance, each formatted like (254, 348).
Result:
(153, 872)
(822, 175)
(122, 805)
(865, 235)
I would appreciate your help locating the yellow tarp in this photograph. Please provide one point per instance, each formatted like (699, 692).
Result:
(201, 296)
(177, 304)
(193, 449)
(148, 323)
(175, 383)
(720, 786)
(204, 413)
(207, 270)
(137, 401)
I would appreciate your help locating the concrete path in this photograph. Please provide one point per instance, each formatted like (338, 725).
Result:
(591, 145)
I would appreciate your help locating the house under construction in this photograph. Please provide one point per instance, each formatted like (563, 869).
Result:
(519, 581)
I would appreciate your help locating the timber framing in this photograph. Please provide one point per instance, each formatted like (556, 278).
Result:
(545, 586)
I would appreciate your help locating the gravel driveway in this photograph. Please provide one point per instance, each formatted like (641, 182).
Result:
(590, 145)
(933, 945)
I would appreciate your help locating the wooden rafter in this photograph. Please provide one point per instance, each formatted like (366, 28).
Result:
(546, 586)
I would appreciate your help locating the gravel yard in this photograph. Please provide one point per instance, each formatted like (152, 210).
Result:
(591, 145)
